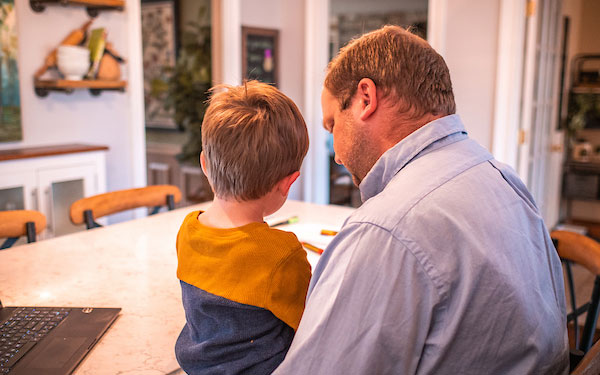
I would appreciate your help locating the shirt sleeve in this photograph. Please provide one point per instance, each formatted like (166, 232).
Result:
(368, 311)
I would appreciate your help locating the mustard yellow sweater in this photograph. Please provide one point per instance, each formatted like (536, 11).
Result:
(253, 265)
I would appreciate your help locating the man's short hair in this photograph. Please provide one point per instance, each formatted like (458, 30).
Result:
(399, 63)
(252, 137)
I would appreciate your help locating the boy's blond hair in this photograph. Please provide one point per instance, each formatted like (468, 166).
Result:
(252, 137)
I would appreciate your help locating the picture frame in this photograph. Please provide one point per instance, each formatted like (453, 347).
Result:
(10, 93)
(159, 51)
(260, 54)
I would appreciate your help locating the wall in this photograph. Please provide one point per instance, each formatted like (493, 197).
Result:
(288, 18)
(589, 36)
(113, 119)
(470, 49)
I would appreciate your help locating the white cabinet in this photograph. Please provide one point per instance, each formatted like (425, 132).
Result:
(51, 182)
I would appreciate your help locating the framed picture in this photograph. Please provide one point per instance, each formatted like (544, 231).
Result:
(159, 48)
(260, 51)
(10, 97)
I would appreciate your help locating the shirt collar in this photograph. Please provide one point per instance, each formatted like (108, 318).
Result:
(435, 134)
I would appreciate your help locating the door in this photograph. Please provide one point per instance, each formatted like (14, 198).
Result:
(539, 162)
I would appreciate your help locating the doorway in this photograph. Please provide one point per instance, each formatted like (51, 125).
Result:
(349, 19)
(176, 44)
(539, 164)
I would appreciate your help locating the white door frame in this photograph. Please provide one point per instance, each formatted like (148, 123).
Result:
(315, 185)
(517, 80)
(316, 164)
(509, 80)
(436, 25)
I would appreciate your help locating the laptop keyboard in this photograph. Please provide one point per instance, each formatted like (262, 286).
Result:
(25, 327)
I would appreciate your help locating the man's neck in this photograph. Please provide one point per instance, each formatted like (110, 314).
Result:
(229, 213)
(402, 128)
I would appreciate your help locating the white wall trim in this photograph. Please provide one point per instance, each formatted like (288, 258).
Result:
(231, 37)
(527, 98)
(509, 75)
(315, 185)
(216, 19)
(135, 90)
(436, 25)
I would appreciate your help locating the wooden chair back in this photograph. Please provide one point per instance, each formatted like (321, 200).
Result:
(590, 364)
(579, 249)
(582, 250)
(105, 204)
(17, 223)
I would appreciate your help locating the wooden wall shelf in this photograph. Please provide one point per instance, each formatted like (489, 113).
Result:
(43, 87)
(93, 7)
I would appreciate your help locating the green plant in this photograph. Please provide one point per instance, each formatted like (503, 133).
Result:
(187, 85)
(583, 109)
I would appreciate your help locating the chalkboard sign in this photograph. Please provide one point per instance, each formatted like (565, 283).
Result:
(260, 50)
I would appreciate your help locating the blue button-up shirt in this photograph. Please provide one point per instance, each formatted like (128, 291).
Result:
(447, 268)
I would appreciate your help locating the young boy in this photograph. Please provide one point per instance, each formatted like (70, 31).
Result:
(243, 283)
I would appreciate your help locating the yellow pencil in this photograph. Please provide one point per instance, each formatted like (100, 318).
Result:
(327, 232)
(291, 220)
(312, 248)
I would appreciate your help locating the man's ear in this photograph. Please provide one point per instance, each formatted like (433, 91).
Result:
(366, 93)
(284, 185)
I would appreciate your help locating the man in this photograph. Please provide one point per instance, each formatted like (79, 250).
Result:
(447, 267)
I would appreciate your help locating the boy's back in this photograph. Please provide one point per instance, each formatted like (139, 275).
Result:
(243, 283)
(243, 290)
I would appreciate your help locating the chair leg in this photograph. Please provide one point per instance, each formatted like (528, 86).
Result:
(171, 202)
(573, 302)
(88, 217)
(9, 242)
(591, 319)
(170, 205)
(30, 231)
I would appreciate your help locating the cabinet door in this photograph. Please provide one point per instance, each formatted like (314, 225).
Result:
(17, 191)
(59, 188)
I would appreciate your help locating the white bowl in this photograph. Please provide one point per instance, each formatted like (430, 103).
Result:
(73, 51)
(73, 68)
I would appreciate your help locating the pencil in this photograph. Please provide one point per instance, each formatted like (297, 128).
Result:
(291, 220)
(327, 232)
(312, 248)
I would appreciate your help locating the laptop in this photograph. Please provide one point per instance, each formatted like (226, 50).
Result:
(49, 340)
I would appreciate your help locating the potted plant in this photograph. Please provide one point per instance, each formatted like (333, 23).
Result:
(187, 84)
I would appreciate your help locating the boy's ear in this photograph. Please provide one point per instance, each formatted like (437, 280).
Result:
(285, 184)
(367, 96)
(203, 166)
(203, 163)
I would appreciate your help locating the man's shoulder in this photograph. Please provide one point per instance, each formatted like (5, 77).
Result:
(421, 179)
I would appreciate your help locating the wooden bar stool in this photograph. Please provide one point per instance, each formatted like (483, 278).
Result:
(590, 364)
(14, 224)
(583, 250)
(87, 210)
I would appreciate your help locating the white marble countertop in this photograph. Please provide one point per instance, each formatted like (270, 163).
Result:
(131, 265)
